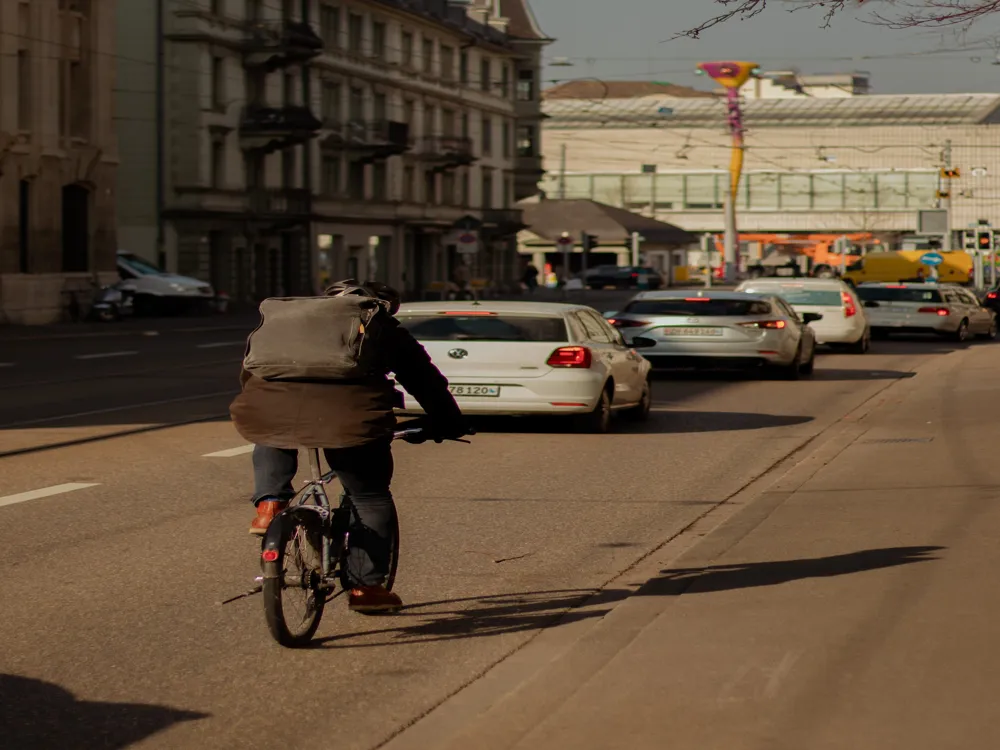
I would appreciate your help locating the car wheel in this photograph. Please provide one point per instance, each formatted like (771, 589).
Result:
(640, 412)
(810, 366)
(962, 333)
(599, 420)
(991, 332)
(792, 371)
(862, 345)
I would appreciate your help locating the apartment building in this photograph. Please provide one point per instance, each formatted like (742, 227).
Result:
(58, 156)
(307, 140)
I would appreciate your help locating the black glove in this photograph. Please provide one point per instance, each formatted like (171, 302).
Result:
(451, 430)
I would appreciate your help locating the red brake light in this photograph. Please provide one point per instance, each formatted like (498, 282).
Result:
(991, 295)
(467, 312)
(269, 555)
(775, 325)
(942, 311)
(624, 323)
(697, 299)
(570, 356)
(849, 308)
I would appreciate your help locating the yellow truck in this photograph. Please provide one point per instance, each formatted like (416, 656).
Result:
(905, 265)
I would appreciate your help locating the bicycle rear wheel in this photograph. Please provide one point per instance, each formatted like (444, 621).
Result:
(291, 560)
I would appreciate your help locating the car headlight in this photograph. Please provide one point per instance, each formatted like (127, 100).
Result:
(178, 287)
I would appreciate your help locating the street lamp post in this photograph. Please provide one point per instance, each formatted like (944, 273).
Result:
(731, 76)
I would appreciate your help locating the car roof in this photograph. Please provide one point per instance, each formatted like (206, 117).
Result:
(514, 307)
(907, 284)
(818, 283)
(667, 294)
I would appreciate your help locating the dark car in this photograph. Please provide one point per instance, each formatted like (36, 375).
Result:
(622, 277)
(991, 300)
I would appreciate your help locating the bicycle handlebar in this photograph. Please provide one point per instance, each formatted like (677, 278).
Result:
(402, 434)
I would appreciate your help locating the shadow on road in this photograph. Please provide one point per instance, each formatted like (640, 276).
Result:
(679, 421)
(43, 716)
(917, 344)
(831, 374)
(709, 579)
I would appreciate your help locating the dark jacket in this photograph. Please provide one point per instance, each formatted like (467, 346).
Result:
(292, 414)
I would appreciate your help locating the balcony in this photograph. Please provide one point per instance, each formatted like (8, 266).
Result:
(270, 129)
(366, 141)
(277, 204)
(272, 45)
(446, 151)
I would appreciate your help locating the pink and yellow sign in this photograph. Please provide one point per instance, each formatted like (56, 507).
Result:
(732, 75)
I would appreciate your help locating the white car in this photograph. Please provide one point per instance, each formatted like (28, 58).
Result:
(156, 291)
(844, 324)
(524, 358)
(944, 309)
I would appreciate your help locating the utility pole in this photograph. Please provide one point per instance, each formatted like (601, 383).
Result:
(306, 241)
(562, 172)
(945, 203)
(730, 242)
(636, 239)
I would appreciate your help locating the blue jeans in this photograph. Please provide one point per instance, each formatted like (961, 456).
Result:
(365, 473)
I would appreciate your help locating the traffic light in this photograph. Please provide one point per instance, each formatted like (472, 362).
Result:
(969, 241)
(589, 242)
(984, 240)
(951, 173)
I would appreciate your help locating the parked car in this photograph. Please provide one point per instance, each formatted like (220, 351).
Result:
(844, 323)
(522, 358)
(622, 277)
(944, 309)
(711, 329)
(155, 292)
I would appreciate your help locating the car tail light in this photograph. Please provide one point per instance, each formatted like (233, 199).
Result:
(570, 356)
(991, 295)
(942, 311)
(697, 299)
(850, 310)
(773, 325)
(467, 312)
(625, 323)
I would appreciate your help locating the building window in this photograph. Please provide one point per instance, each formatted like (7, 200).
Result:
(504, 81)
(526, 85)
(75, 229)
(330, 102)
(409, 113)
(24, 226)
(218, 83)
(463, 187)
(465, 124)
(487, 196)
(409, 184)
(430, 187)
(24, 92)
(484, 74)
(463, 68)
(288, 168)
(255, 87)
(356, 180)
(427, 52)
(330, 176)
(447, 63)
(526, 140)
(506, 139)
(287, 9)
(448, 122)
(378, 40)
(255, 10)
(355, 33)
(487, 136)
(218, 164)
(508, 192)
(380, 181)
(78, 80)
(448, 189)
(356, 104)
(329, 25)
(430, 116)
(381, 108)
(406, 50)
(218, 7)
(289, 89)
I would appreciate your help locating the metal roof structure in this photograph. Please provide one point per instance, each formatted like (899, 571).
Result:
(855, 111)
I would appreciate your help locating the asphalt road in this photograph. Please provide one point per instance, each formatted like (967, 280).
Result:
(117, 552)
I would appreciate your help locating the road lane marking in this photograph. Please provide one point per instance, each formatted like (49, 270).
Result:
(230, 452)
(58, 489)
(112, 409)
(217, 344)
(105, 355)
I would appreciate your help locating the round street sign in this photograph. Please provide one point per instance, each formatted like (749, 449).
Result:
(564, 241)
(931, 259)
(467, 239)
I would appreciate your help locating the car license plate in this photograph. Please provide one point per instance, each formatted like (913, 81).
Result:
(692, 331)
(474, 390)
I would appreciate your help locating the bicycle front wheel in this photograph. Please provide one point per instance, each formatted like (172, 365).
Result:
(292, 562)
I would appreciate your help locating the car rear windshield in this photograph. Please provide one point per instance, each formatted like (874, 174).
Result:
(797, 295)
(704, 306)
(437, 327)
(897, 294)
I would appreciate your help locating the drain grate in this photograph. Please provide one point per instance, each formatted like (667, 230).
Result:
(899, 440)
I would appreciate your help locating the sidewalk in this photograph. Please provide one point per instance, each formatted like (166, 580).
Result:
(850, 606)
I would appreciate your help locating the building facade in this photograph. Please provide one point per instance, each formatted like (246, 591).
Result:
(852, 163)
(58, 156)
(309, 140)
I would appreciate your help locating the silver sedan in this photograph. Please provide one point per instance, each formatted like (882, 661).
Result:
(720, 329)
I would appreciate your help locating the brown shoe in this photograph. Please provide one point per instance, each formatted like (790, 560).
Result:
(374, 599)
(266, 511)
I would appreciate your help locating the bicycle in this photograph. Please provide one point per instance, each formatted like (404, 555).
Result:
(318, 535)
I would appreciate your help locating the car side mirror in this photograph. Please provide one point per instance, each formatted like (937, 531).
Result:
(872, 303)
(641, 342)
(811, 317)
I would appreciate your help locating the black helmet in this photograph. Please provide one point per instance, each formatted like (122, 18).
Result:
(376, 289)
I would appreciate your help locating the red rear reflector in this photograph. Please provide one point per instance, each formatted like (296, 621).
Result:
(570, 356)
(467, 312)
(269, 555)
(770, 324)
(849, 309)
(624, 323)
(567, 403)
(942, 311)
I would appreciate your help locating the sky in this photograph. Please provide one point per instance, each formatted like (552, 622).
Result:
(630, 40)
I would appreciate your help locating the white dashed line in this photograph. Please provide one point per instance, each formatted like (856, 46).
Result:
(217, 344)
(58, 489)
(105, 355)
(230, 452)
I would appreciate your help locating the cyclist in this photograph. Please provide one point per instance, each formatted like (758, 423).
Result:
(353, 421)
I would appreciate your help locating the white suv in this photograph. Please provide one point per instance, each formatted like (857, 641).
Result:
(844, 322)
